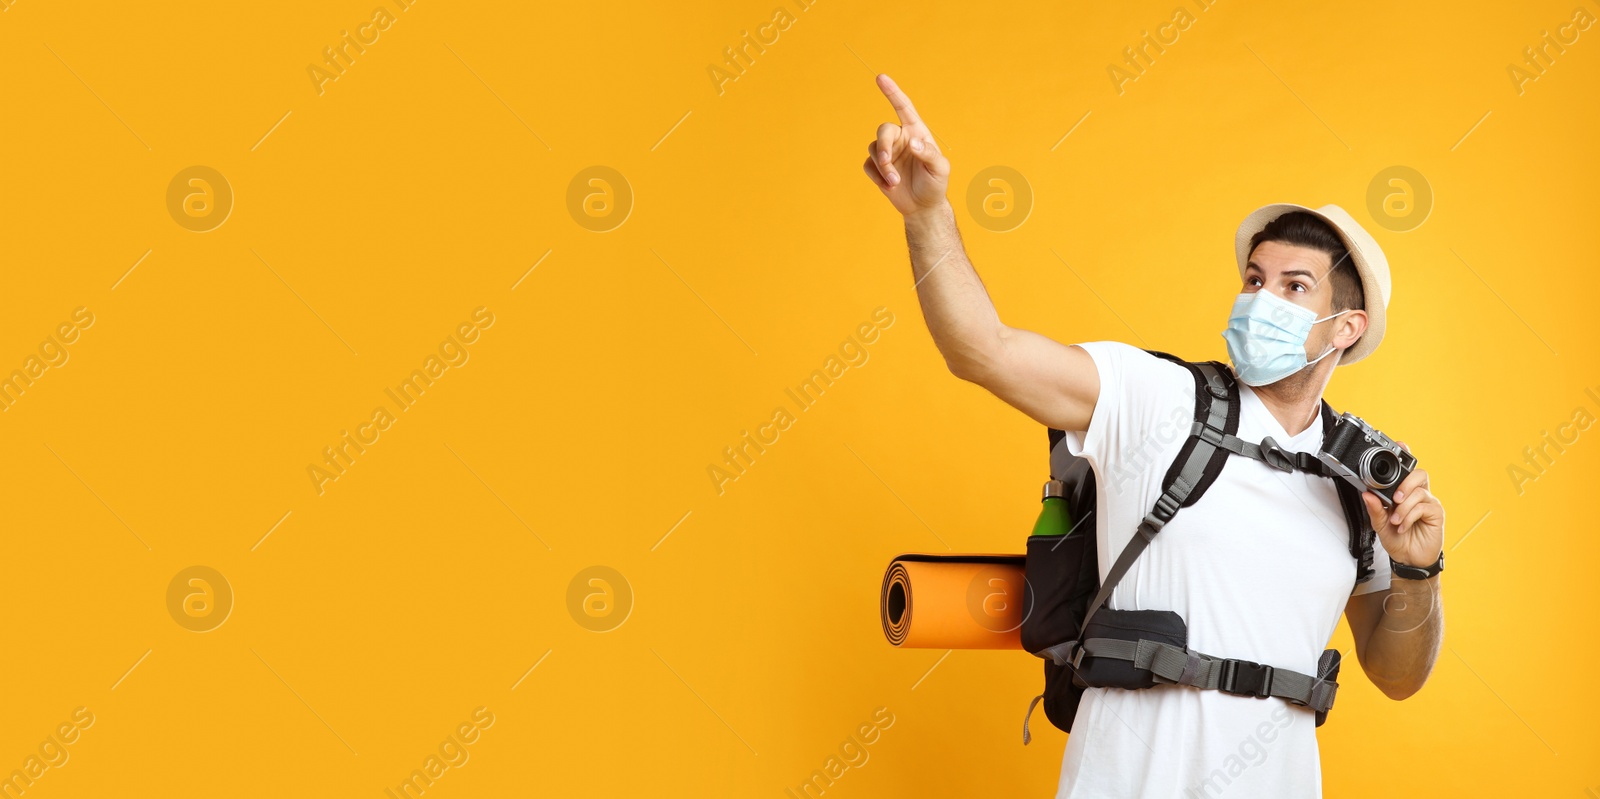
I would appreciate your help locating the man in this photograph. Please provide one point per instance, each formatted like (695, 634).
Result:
(1259, 568)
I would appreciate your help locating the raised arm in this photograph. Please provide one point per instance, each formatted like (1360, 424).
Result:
(1054, 384)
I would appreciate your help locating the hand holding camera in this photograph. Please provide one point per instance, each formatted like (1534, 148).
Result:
(1407, 516)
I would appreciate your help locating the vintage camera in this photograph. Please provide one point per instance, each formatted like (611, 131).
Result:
(1366, 458)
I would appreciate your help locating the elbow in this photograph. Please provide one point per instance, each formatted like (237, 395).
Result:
(973, 359)
(1400, 692)
(1400, 687)
(981, 369)
(968, 369)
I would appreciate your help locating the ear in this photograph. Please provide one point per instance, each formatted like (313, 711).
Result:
(1349, 328)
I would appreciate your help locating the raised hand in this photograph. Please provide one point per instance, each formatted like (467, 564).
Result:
(904, 161)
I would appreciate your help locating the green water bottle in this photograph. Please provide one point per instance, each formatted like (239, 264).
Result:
(1054, 517)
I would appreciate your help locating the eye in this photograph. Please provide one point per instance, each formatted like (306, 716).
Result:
(1252, 280)
(1298, 285)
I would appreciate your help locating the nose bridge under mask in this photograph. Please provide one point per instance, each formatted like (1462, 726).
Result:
(1265, 306)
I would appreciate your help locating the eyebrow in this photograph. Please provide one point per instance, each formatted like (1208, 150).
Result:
(1257, 267)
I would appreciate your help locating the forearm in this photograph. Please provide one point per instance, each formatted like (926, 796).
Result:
(960, 316)
(1052, 383)
(1406, 640)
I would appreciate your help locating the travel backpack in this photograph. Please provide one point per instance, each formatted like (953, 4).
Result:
(1085, 645)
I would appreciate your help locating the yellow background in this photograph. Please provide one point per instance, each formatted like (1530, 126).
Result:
(430, 177)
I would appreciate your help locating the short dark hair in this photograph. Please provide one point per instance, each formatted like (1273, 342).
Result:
(1308, 230)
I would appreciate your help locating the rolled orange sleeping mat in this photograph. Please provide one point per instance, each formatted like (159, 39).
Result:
(954, 601)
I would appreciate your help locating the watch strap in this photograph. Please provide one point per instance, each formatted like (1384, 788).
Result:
(1408, 572)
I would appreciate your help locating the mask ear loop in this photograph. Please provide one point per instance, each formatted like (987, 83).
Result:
(1330, 346)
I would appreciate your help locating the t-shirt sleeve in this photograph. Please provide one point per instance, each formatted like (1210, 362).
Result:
(1144, 400)
(1381, 574)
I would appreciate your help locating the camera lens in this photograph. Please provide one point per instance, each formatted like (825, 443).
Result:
(1380, 468)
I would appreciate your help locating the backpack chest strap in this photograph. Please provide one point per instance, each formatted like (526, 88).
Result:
(1268, 451)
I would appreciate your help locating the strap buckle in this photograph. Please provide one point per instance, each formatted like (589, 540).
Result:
(1066, 653)
(1245, 678)
(1166, 507)
(1275, 456)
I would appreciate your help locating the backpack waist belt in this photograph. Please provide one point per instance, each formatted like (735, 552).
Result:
(1175, 665)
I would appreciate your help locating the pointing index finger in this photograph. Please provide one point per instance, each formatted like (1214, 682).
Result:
(898, 99)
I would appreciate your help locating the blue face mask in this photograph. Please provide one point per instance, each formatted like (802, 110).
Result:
(1266, 337)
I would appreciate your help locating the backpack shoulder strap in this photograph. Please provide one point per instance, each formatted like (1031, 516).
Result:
(1199, 462)
(1216, 408)
(1362, 537)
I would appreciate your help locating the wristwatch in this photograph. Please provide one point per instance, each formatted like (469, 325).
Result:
(1404, 571)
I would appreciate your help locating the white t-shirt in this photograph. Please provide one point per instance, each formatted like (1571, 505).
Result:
(1259, 568)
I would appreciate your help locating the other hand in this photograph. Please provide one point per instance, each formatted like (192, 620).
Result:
(904, 161)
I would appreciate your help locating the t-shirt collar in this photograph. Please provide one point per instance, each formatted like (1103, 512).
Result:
(1313, 432)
